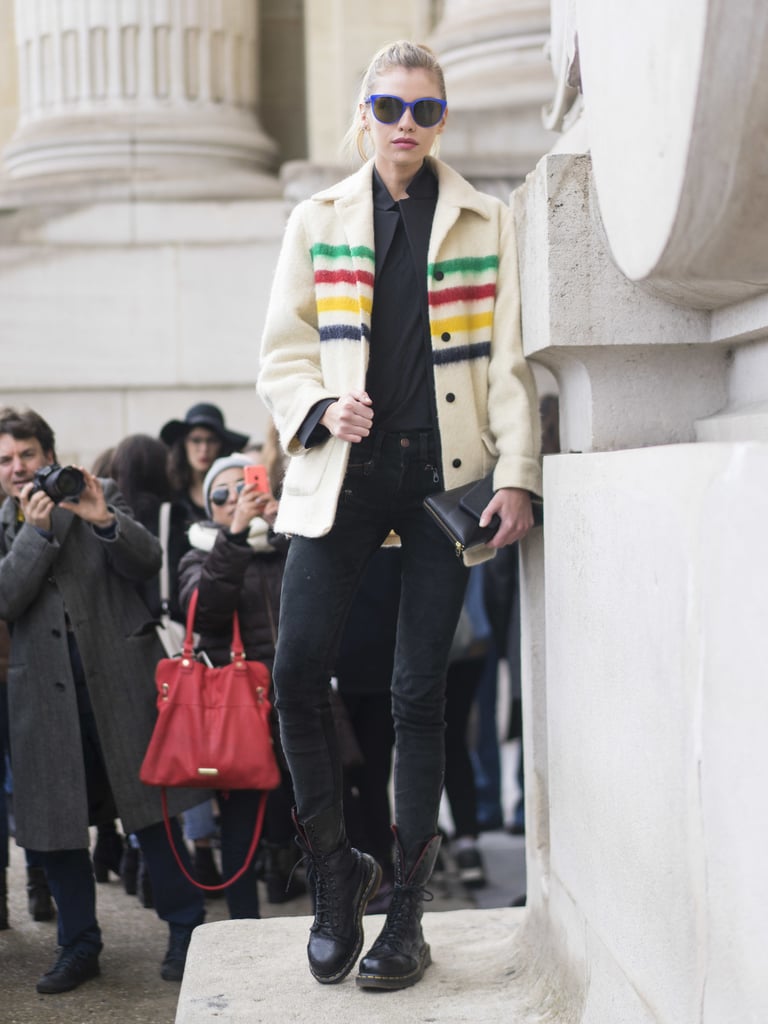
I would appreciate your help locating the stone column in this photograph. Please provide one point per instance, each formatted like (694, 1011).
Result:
(130, 97)
(498, 78)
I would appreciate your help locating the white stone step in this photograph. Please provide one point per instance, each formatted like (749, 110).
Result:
(255, 972)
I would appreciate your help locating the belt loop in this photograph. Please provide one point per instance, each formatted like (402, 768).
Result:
(378, 442)
(375, 440)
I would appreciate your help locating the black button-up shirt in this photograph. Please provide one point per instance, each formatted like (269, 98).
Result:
(399, 378)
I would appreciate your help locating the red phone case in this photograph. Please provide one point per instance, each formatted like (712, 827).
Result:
(256, 475)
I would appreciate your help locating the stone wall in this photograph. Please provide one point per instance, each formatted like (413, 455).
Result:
(644, 600)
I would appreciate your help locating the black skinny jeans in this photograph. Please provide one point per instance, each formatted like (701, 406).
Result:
(388, 478)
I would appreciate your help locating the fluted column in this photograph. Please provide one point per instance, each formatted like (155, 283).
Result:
(498, 78)
(157, 95)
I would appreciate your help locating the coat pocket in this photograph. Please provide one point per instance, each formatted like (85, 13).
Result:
(307, 471)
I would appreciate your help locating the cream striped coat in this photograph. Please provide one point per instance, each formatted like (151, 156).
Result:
(316, 340)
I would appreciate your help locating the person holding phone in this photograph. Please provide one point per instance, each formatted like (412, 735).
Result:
(194, 443)
(392, 364)
(236, 564)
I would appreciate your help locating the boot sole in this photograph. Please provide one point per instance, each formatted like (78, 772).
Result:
(372, 887)
(393, 982)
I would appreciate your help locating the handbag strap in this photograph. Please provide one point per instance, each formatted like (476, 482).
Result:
(248, 857)
(237, 651)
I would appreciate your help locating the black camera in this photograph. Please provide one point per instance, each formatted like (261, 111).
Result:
(60, 483)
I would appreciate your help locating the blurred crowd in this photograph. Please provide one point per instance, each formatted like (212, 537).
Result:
(81, 596)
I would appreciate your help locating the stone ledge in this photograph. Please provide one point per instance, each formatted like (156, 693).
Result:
(249, 972)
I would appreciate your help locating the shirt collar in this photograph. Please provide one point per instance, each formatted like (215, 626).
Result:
(423, 186)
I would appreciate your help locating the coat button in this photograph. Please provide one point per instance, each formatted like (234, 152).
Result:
(456, 463)
(56, 632)
(59, 686)
(439, 275)
(445, 336)
(450, 397)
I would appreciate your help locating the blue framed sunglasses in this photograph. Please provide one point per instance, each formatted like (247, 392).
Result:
(426, 112)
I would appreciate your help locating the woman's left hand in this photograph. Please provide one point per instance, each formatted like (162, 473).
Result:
(513, 506)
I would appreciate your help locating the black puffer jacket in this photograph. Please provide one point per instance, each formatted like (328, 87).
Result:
(229, 576)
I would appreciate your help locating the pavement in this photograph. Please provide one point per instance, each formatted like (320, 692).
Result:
(130, 990)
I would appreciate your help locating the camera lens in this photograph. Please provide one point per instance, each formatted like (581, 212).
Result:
(69, 483)
(60, 484)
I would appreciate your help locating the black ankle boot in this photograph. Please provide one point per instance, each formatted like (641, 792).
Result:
(399, 957)
(175, 960)
(39, 895)
(4, 900)
(107, 853)
(342, 881)
(73, 967)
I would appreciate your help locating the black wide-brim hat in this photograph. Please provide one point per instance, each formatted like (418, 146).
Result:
(203, 415)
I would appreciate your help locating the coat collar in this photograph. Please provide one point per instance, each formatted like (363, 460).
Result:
(453, 189)
(8, 517)
(353, 200)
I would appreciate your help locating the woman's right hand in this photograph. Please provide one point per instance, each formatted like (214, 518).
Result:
(350, 418)
(250, 504)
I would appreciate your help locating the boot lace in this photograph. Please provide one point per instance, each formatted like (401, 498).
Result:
(322, 883)
(404, 912)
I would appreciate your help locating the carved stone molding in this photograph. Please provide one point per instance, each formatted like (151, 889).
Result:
(676, 103)
(498, 78)
(632, 369)
(159, 98)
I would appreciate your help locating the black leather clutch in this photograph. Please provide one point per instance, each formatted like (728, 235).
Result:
(457, 512)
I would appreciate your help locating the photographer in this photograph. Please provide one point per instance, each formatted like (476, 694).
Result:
(80, 688)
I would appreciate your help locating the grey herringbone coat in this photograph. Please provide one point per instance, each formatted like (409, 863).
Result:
(92, 581)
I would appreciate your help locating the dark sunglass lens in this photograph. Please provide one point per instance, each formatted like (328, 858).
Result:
(388, 109)
(427, 113)
(220, 496)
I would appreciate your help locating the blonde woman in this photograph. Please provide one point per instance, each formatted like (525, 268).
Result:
(393, 368)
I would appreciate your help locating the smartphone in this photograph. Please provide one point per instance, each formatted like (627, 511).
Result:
(257, 475)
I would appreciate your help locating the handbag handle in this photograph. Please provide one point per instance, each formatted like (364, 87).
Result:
(237, 650)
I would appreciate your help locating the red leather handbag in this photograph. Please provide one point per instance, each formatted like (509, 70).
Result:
(213, 728)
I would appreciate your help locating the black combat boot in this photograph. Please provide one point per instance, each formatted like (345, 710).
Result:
(399, 957)
(342, 881)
